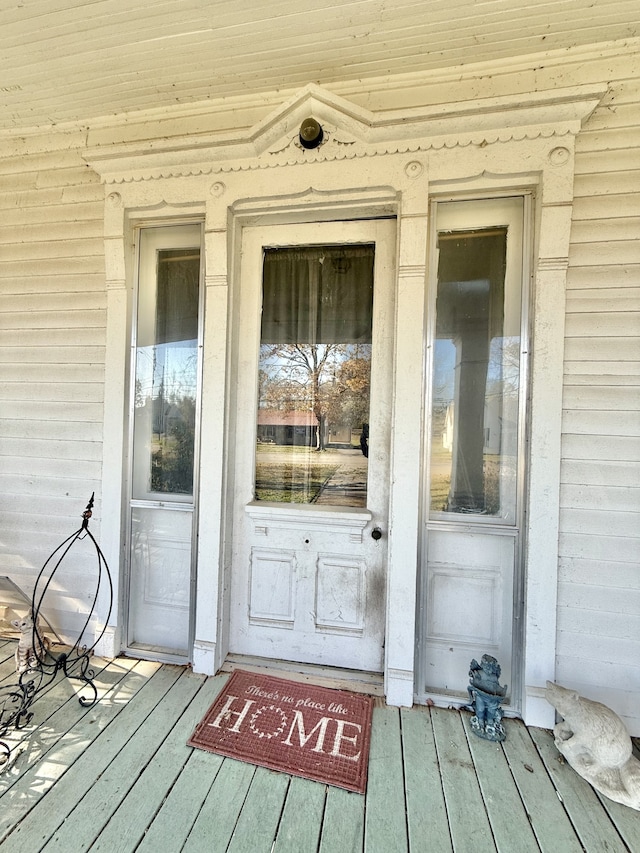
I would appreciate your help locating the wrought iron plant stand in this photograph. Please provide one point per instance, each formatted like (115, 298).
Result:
(43, 664)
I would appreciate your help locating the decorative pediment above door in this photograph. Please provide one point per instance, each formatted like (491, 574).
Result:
(349, 131)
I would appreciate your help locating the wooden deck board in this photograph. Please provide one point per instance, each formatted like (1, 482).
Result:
(57, 745)
(301, 821)
(61, 701)
(179, 810)
(626, 821)
(7, 660)
(468, 820)
(135, 813)
(589, 818)
(548, 817)
(119, 777)
(343, 824)
(427, 822)
(178, 813)
(100, 801)
(87, 753)
(385, 818)
(259, 818)
(506, 812)
(219, 814)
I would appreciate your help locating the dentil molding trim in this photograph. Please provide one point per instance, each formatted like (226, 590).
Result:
(350, 132)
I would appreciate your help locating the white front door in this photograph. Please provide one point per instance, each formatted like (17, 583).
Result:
(313, 326)
(470, 589)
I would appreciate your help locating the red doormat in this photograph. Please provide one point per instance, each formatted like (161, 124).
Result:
(302, 729)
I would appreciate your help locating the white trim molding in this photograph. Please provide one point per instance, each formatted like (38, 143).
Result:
(350, 132)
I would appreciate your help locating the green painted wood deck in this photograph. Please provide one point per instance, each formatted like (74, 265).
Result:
(119, 777)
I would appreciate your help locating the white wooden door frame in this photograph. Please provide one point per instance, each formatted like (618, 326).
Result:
(406, 198)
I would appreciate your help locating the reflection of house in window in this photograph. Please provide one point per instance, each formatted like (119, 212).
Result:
(492, 425)
(287, 428)
(342, 436)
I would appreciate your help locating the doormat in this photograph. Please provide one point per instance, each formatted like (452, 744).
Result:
(314, 732)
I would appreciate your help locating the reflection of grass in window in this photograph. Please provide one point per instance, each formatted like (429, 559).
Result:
(492, 484)
(440, 474)
(440, 485)
(291, 483)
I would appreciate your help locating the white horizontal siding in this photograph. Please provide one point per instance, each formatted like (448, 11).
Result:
(29, 337)
(63, 431)
(68, 60)
(587, 497)
(594, 573)
(57, 196)
(599, 350)
(598, 473)
(46, 532)
(601, 522)
(598, 641)
(52, 338)
(599, 422)
(587, 599)
(582, 644)
(60, 409)
(609, 448)
(52, 354)
(32, 468)
(626, 298)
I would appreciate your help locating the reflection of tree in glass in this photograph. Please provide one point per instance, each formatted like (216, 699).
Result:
(331, 380)
(348, 394)
(172, 457)
(173, 423)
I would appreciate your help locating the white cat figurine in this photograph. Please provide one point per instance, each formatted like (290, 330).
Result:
(596, 744)
(26, 657)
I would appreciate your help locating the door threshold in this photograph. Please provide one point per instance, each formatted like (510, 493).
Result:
(336, 678)
(155, 653)
(455, 699)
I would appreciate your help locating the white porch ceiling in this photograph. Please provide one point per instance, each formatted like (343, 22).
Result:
(76, 60)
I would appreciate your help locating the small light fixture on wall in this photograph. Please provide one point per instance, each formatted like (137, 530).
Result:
(311, 134)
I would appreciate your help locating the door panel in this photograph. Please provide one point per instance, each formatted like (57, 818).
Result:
(469, 603)
(311, 458)
(470, 554)
(160, 579)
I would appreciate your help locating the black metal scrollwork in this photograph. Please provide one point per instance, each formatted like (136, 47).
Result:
(44, 665)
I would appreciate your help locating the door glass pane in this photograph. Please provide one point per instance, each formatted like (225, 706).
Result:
(476, 376)
(314, 375)
(166, 375)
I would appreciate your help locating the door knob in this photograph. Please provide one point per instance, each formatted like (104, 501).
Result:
(376, 533)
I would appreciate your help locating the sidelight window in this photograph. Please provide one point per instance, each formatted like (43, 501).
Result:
(476, 374)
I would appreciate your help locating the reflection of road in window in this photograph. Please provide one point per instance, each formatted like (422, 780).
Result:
(302, 475)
